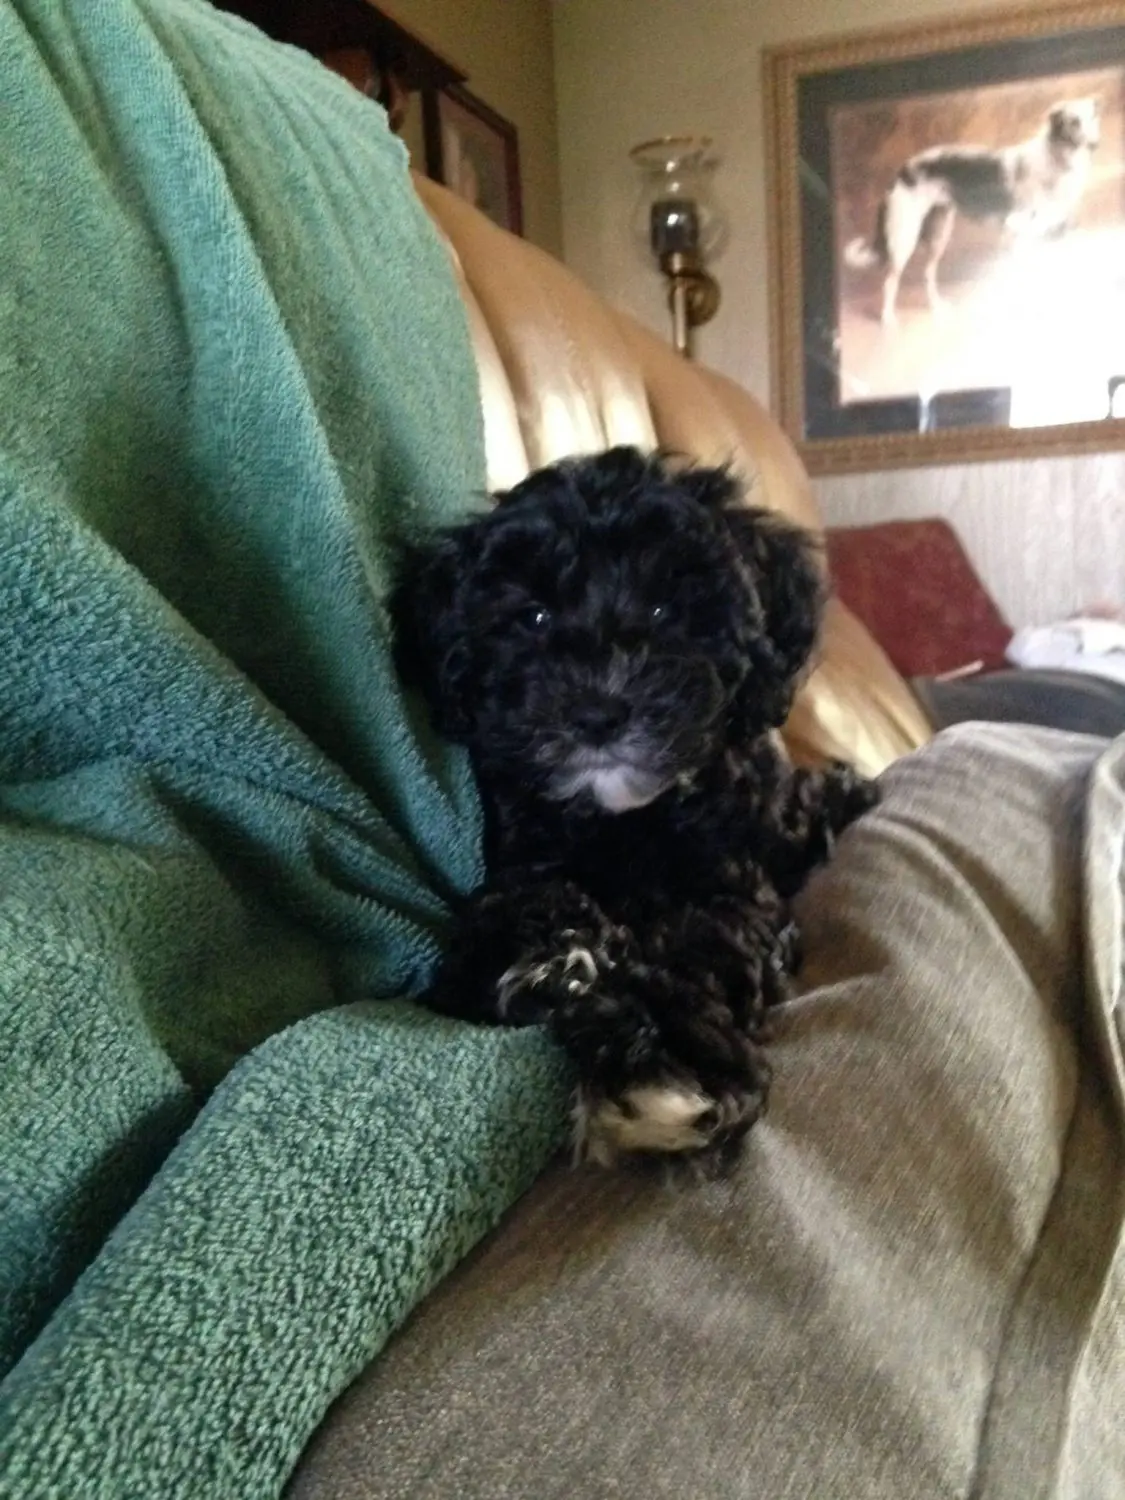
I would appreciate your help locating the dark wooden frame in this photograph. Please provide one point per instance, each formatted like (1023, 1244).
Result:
(801, 83)
(507, 138)
(323, 26)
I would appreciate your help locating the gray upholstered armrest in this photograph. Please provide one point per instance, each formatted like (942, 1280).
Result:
(904, 1290)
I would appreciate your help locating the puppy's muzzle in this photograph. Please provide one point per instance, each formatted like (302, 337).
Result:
(598, 718)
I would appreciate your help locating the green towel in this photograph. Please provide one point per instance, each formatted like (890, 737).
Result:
(234, 374)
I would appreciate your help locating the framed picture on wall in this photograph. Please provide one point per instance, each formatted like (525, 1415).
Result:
(948, 238)
(474, 151)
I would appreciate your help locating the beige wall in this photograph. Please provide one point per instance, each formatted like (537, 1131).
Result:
(1048, 536)
(505, 47)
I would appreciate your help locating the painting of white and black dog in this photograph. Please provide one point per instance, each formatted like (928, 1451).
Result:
(1031, 189)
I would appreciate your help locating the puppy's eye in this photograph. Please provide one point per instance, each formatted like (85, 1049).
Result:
(658, 614)
(536, 618)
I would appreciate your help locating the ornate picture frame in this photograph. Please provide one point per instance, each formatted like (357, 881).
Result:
(962, 150)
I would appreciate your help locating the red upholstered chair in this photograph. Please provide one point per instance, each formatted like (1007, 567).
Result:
(913, 586)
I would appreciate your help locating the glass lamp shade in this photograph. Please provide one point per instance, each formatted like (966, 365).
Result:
(676, 209)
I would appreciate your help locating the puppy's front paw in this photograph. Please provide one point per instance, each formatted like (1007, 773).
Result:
(529, 990)
(848, 795)
(666, 1117)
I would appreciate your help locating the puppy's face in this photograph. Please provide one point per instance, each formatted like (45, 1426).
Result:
(595, 633)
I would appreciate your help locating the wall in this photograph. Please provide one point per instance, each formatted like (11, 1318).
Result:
(505, 46)
(1047, 536)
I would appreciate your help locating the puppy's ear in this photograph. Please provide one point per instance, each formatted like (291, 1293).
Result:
(431, 637)
(715, 489)
(781, 563)
(784, 562)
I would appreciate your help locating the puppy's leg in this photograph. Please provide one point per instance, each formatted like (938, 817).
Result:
(669, 1048)
(518, 947)
(665, 1060)
(572, 954)
(807, 815)
(665, 1024)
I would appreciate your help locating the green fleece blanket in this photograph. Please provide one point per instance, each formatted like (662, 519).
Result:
(234, 372)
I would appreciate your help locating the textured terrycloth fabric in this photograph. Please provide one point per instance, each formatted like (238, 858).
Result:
(913, 1285)
(234, 371)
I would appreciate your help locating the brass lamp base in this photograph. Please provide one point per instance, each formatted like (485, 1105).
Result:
(693, 296)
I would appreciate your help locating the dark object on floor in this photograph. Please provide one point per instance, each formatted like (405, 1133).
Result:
(615, 642)
(1076, 701)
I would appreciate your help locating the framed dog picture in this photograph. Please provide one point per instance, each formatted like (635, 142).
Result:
(948, 239)
(474, 151)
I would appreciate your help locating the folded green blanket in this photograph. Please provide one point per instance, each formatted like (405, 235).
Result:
(234, 373)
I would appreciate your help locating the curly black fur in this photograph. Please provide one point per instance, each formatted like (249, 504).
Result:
(614, 642)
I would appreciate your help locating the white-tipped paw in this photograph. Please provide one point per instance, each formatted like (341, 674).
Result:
(665, 1119)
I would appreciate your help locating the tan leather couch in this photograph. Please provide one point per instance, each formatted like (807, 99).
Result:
(562, 373)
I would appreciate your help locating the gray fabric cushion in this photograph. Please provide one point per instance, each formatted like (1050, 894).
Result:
(909, 1287)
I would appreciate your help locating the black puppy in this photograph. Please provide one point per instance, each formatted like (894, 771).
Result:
(614, 642)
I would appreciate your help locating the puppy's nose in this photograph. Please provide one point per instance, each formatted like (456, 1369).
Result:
(597, 719)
